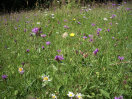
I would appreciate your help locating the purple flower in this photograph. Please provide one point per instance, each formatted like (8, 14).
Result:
(96, 51)
(113, 15)
(120, 58)
(113, 37)
(25, 30)
(85, 37)
(48, 43)
(58, 51)
(35, 30)
(121, 97)
(65, 20)
(59, 58)
(65, 26)
(79, 22)
(128, 9)
(23, 63)
(93, 24)
(42, 47)
(110, 23)
(43, 35)
(91, 40)
(98, 33)
(99, 29)
(108, 30)
(91, 36)
(27, 50)
(4, 77)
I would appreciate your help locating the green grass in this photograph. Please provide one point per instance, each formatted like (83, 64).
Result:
(98, 76)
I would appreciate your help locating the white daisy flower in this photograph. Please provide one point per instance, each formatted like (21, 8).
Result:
(71, 94)
(38, 22)
(46, 78)
(53, 96)
(105, 19)
(79, 96)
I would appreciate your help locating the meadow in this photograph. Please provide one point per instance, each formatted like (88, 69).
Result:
(67, 53)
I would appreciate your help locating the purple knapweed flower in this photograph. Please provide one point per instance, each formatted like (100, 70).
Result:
(113, 15)
(66, 27)
(98, 33)
(25, 30)
(93, 24)
(43, 35)
(42, 47)
(91, 36)
(65, 20)
(96, 51)
(48, 43)
(120, 58)
(113, 37)
(121, 97)
(91, 40)
(108, 30)
(79, 22)
(58, 51)
(99, 29)
(35, 30)
(4, 77)
(27, 50)
(110, 23)
(85, 37)
(59, 58)
(128, 9)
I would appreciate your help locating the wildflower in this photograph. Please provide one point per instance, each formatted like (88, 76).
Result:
(74, 19)
(79, 22)
(65, 35)
(96, 51)
(91, 40)
(38, 22)
(121, 97)
(27, 50)
(65, 26)
(53, 96)
(4, 77)
(108, 30)
(105, 19)
(43, 35)
(93, 24)
(58, 51)
(120, 58)
(84, 37)
(59, 58)
(71, 94)
(48, 43)
(35, 30)
(46, 78)
(72, 34)
(21, 71)
(91, 36)
(79, 96)
(110, 23)
(23, 63)
(99, 29)
(113, 15)
(42, 47)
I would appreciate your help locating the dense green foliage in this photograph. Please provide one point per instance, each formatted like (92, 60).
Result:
(100, 76)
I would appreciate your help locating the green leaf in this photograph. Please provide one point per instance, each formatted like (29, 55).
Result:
(104, 93)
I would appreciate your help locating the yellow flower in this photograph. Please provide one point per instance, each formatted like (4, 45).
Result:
(79, 96)
(74, 19)
(72, 34)
(71, 94)
(20, 69)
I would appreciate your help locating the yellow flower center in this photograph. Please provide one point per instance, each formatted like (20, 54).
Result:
(46, 78)
(20, 69)
(70, 95)
(79, 96)
(53, 97)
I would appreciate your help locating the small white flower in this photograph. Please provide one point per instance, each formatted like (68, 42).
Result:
(71, 94)
(53, 96)
(52, 14)
(38, 22)
(116, 23)
(105, 19)
(79, 96)
(89, 9)
(65, 35)
(46, 78)
(58, 1)
(53, 17)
